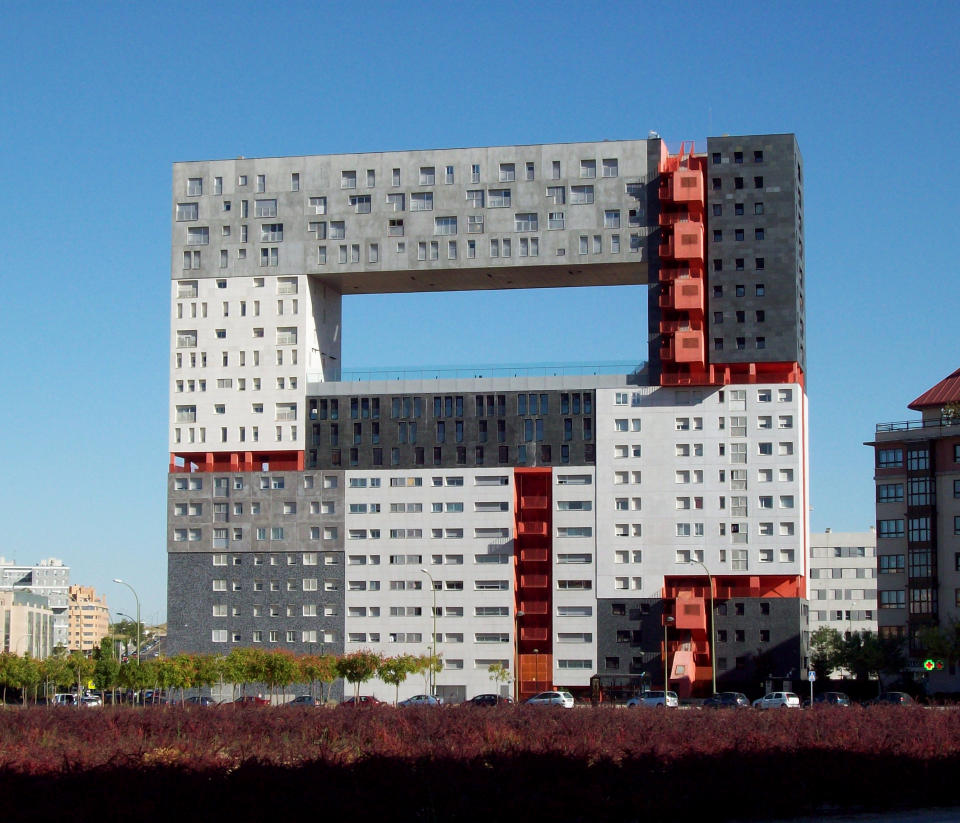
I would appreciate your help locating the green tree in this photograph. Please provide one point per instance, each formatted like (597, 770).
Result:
(106, 672)
(866, 655)
(280, 670)
(358, 667)
(499, 673)
(826, 651)
(318, 669)
(82, 669)
(55, 672)
(427, 664)
(394, 670)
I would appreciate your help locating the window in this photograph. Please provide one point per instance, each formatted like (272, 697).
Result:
(581, 195)
(445, 225)
(499, 199)
(892, 599)
(890, 528)
(428, 175)
(421, 201)
(526, 221)
(588, 168)
(887, 458)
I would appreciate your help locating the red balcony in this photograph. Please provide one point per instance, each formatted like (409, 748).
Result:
(534, 501)
(534, 581)
(669, 275)
(534, 555)
(535, 607)
(534, 634)
(683, 295)
(688, 241)
(669, 218)
(528, 528)
(687, 186)
(691, 614)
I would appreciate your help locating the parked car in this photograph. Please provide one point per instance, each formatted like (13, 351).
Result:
(893, 698)
(777, 700)
(250, 700)
(420, 700)
(363, 700)
(306, 700)
(832, 699)
(563, 699)
(201, 701)
(489, 700)
(727, 700)
(654, 698)
(91, 700)
(65, 699)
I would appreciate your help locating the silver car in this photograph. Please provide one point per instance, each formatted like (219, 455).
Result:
(654, 698)
(564, 699)
(777, 700)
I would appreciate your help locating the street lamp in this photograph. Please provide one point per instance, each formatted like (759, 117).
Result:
(516, 655)
(137, 598)
(666, 666)
(433, 660)
(713, 628)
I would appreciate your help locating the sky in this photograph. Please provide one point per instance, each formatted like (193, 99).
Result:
(99, 99)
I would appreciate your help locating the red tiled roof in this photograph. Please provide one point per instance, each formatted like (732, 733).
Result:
(946, 391)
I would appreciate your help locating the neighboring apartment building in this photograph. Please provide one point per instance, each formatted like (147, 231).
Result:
(843, 581)
(560, 520)
(89, 618)
(917, 476)
(49, 578)
(26, 623)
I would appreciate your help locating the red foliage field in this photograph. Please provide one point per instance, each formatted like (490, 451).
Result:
(467, 763)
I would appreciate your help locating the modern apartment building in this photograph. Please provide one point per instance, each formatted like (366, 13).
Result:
(917, 476)
(89, 618)
(49, 578)
(574, 527)
(26, 623)
(843, 581)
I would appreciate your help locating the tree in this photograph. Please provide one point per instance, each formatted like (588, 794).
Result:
(826, 650)
(280, 670)
(866, 655)
(82, 669)
(427, 663)
(318, 669)
(358, 667)
(106, 672)
(499, 673)
(394, 671)
(56, 672)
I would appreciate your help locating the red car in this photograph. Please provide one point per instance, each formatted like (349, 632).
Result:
(251, 701)
(363, 700)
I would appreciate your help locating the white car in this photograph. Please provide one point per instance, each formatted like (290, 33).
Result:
(654, 698)
(564, 699)
(777, 700)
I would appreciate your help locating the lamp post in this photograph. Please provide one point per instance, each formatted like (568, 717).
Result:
(433, 659)
(667, 620)
(516, 656)
(137, 598)
(713, 628)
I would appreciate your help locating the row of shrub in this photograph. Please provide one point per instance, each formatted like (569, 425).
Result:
(516, 762)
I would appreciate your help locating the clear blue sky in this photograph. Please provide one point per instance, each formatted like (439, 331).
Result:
(98, 99)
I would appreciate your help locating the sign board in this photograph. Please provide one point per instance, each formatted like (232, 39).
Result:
(811, 675)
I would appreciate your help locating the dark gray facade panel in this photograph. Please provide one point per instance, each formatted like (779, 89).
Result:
(754, 259)
(508, 432)
(758, 640)
(191, 599)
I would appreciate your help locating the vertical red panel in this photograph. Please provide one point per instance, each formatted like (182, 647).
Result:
(533, 584)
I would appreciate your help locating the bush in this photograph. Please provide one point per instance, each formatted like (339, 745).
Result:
(457, 763)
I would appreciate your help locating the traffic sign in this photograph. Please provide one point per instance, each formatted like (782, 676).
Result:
(811, 675)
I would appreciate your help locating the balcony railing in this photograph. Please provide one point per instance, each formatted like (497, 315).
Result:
(911, 425)
(606, 367)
